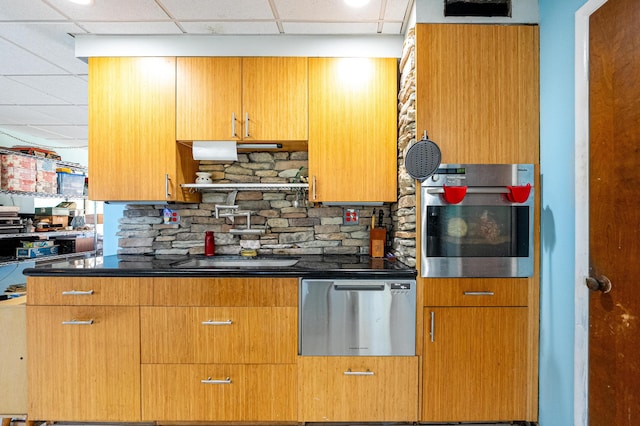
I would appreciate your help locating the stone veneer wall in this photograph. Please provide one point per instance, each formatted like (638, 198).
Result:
(404, 212)
(288, 229)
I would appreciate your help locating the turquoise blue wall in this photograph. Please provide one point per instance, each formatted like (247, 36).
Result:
(558, 209)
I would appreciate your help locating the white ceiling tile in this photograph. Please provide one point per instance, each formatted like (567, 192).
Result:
(131, 27)
(13, 92)
(27, 10)
(48, 41)
(230, 27)
(392, 28)
(61, 114)
(326, 10)
(396, 10)
(61, 144)
(66, 88)
(111, 10)
(72, 132)
(208, 10)
(329, 28)
(23, 62)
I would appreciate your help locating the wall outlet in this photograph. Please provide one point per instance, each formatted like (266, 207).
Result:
(350, 217)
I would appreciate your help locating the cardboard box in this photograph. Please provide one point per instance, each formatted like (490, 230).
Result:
(33, 252)
(75, 244)
(17, 173)
(53, 220)
(38, 243)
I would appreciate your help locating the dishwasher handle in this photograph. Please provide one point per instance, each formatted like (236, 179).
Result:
(358, 287)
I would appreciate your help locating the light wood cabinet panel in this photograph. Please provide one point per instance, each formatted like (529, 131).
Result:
(209, 95)
(83, 291)
(216, 95)
(83, 372)
(254, 392)
(353, 129)
(475, 368)
(132, 124)
(275, 97)
(218, 335)
(478, 91)
(475, 291)
(225, 292)
(387, 391)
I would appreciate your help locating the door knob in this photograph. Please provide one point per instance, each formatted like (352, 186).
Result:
(601, 283)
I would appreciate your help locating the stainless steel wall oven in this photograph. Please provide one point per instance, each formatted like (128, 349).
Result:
(477, 221)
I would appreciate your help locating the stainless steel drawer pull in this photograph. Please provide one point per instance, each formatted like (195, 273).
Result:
(210, 322)
(77, 293)
(358, 287)
(246, 125)
(478, 293)
(233, 125)
(358, 373)
(211, 381)
(77, 322)
(432, 331)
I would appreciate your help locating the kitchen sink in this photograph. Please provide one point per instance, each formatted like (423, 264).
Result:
(238, 262)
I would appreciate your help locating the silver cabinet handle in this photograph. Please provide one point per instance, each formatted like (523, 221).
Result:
(233, 125)
(313, 191)
(246, 125)
(77, 322)
(77, 293)
(211, 381)
(358, 373)
(478, 293)
(211, 322)
(432, 331)
(167, 194)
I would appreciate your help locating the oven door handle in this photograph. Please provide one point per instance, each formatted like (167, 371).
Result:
(358, 287)
(475, 190)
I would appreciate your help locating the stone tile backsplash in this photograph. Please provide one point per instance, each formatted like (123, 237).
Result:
(288, 229)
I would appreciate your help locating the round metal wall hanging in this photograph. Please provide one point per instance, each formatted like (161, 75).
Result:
(422, 159)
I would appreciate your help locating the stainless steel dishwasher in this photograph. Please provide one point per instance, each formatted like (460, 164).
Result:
(357, 317)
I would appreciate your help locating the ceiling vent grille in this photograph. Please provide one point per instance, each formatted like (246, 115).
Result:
(477, 8)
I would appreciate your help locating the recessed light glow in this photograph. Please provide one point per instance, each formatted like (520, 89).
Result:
(82, 2)
(356, 3)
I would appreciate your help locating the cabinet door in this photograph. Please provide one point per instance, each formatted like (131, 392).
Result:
(209, 97)
(474, 364)
(84, 372)
(218, 335)
(132, 144)
(363, 389)
(353, 129)
(219, 392)
(478, 91)
(275, 99)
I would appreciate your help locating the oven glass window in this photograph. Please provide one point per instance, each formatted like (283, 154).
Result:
(477, 231)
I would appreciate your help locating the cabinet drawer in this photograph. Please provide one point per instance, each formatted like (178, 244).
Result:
(476, 292)
(218, 335)
(219, 392)
(342, 389)
(83, 291)
(83, 363)
(225, 292)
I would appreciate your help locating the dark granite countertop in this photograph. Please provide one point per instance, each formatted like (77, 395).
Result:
(309, 266)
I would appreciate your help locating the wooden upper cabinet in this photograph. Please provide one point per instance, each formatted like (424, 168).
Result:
(478, 91)
(208, 97)
(132, 144)
(244, 99)
(353, 129)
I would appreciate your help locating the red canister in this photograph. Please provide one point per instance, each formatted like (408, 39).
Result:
(209, 244)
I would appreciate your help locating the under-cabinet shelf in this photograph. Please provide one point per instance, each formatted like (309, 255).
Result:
(204, 187)
(46, 259)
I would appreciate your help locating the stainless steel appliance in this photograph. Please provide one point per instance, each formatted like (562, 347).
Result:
(477, 221)
(357, 317)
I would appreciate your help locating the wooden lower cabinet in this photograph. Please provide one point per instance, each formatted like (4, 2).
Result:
(219, 392)
(83, 363)
(364, 389)
(474, 364)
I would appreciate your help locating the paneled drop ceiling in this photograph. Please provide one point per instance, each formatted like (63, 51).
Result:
(43, 86)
